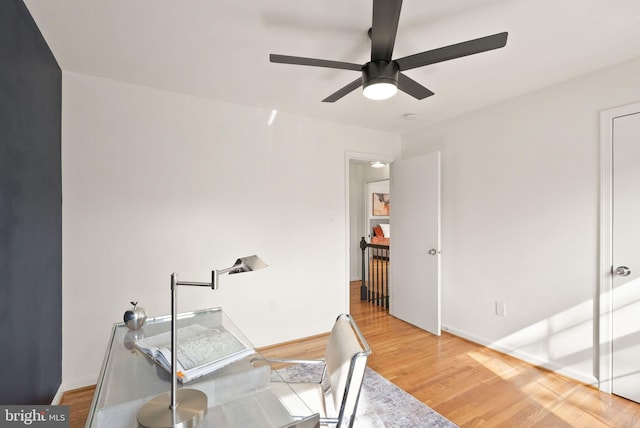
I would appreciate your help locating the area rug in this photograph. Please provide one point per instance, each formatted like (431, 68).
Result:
(382, 404)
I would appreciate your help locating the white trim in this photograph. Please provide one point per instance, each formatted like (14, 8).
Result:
(525, 356)
(70, 387)
(604, 322)
(58, 397)
(361, 156)
(78, 383)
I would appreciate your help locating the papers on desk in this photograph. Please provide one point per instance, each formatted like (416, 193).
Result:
(201, 350)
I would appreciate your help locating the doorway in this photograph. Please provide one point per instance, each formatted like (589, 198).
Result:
(359, 172)
(418, 221)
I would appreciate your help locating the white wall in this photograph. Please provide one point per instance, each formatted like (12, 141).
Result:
(157, 182)
(520, 206)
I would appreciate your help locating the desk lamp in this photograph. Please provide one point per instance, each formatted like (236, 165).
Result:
(186, 407)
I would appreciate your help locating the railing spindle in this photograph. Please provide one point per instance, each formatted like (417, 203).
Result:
(363, 287)
(374, 286)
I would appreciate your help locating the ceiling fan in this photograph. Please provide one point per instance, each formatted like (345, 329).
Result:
(382, 76)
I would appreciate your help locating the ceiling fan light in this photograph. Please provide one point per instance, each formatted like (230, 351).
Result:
(380, 79)
(380, 91)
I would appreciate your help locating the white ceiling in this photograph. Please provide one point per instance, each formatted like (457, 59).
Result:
(220, 49)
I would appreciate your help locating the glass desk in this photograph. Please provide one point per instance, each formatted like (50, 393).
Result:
(239, 394)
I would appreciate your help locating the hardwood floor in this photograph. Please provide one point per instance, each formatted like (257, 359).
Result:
(79, 401)
(467, 383)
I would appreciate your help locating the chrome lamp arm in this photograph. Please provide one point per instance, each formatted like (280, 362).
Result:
(187, 407)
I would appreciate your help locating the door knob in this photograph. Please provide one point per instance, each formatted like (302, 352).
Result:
(433, 251)
(623, 271)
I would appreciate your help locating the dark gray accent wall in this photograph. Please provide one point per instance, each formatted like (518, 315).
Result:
(30, 211)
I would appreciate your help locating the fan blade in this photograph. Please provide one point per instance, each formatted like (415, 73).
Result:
(297, 60)
(386, 14)
(458, 50)
(343, 91)
(413, 88)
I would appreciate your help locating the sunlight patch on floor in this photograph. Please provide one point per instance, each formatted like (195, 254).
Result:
(500, 368)
(554, 395)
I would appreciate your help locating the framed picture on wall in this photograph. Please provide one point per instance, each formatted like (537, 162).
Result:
(380, 204)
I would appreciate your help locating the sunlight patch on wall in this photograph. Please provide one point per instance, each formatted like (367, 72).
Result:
(559, 337)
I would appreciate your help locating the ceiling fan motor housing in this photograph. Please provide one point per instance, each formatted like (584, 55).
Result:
(380, 72)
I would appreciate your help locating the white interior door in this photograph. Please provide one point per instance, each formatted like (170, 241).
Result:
(626, 257)
(414, 269)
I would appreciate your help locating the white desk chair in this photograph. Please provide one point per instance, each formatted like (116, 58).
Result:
(335, 395)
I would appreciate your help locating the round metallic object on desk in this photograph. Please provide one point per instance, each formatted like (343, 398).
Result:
(135, 318)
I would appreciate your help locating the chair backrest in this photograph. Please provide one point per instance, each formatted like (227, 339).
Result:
(346, 359)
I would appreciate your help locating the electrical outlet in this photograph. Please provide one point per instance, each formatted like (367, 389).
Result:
(501, 309)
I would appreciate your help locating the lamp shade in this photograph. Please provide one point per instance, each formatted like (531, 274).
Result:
(247, 264)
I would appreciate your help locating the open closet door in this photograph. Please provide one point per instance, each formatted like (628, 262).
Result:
(414, 270)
